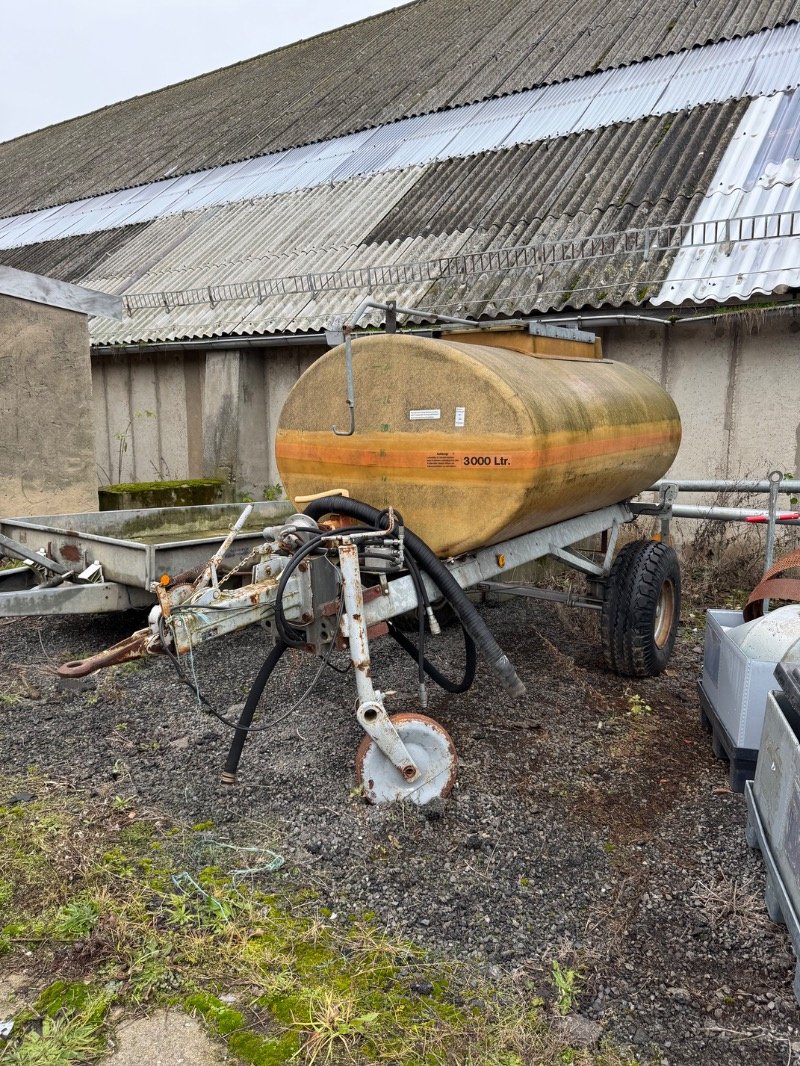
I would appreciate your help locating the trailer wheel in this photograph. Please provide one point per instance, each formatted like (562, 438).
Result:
(430, 747)
(641, 608)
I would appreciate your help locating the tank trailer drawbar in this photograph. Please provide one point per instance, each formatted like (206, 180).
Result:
(500, 448)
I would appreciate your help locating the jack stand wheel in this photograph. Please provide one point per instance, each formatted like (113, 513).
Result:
(431, 748)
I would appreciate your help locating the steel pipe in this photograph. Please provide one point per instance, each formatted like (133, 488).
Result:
(727, 514)
(789, 486)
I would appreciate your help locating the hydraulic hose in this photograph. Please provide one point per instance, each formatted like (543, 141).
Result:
(440, 575)
(436, 675)
(249, 709)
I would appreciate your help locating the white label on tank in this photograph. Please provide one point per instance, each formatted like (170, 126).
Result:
(460, 413)
(428, 412)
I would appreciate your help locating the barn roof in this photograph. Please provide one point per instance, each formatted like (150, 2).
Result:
(586, 193)
(411, 60)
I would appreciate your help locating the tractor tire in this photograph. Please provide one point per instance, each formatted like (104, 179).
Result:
(641, 609)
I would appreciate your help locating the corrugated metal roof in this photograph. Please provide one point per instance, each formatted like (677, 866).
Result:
(597, 101)
(758, 176)
(419, 58)
(560, 223)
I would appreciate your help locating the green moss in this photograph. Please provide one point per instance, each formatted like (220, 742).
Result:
(261, 1051)
(666, 127)
(136, 834)
(218, 1015)
(156, 486)
(311, 956)
(62, 995)
(117, 862)
(287, 1009)
(201, 827)
(73, 998)
(332, 991)
(641, 293)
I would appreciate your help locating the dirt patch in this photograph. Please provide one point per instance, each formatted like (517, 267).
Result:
(13, 989)
(585, 829)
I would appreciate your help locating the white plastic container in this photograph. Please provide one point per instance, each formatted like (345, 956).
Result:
(739, 663)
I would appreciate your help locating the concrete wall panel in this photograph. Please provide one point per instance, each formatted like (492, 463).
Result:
(172, 421)
(737, 390)
(47, 458)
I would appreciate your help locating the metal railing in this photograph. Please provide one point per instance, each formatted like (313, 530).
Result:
(774, 485)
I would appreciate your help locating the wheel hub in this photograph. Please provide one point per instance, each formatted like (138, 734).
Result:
(431, 748)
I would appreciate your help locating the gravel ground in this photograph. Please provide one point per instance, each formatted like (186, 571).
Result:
(578, 831)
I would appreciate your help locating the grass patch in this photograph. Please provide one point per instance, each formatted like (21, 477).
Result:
(125, 911)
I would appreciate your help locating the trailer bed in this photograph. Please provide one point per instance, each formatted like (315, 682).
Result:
(134, 548)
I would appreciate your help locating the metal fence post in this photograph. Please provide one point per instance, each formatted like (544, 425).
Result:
(775, 478)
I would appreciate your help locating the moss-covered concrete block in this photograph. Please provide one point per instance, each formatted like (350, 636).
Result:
(188, 493)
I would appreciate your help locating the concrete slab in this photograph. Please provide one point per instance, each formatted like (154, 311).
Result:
(166, 1038)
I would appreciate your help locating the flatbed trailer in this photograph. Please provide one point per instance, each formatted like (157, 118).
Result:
(134, 550)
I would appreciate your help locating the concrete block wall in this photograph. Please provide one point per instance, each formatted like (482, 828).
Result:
(47, 460)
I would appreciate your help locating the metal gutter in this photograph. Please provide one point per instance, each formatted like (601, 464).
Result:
(620, 317)
(229, 343)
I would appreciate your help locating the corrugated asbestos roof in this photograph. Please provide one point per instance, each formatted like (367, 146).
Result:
(769, 60)
(614, 188)
(415, 59)
(758, 178)
(651, 173)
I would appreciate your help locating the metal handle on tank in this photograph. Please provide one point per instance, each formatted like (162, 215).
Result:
(392, 310)
(351, 397)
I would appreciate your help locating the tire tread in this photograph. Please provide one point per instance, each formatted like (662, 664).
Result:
(627, 618)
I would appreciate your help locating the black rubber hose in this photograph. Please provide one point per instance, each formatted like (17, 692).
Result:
(249, 709)
(422, 597)
(436, 675)
(441, 576)
(289, 634)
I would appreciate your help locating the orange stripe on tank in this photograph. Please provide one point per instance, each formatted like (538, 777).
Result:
(297, 447)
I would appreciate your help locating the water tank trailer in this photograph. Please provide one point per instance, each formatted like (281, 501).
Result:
(423, 467)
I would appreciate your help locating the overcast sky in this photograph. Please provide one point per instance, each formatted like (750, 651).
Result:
(61, 58)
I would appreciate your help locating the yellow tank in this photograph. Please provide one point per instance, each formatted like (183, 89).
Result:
(475, 444)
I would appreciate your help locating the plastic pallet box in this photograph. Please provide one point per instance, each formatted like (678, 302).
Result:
(733, 695)
(773, 815)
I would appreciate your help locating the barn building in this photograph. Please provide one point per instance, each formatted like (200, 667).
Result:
(634, 170)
